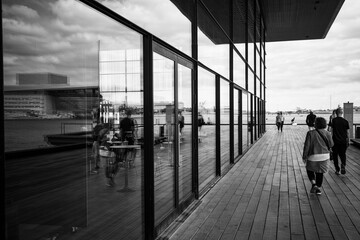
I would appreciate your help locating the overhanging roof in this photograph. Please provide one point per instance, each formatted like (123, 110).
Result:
(287, 20)
(284, 20)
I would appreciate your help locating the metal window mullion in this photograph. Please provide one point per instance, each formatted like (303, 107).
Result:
(231, 85)
(148, 195)
(176, 137)
(218, 130)
(194, 96)
(240, 121)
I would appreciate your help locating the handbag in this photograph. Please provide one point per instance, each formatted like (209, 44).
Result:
(327, 144)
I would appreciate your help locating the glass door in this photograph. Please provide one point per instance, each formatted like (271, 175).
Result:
(172, 86)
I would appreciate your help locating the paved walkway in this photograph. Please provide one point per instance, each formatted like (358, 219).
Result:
(266, 195)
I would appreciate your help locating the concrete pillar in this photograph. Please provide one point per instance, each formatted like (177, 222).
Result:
(349, 115)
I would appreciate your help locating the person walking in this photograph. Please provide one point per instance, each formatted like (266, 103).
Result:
(340, 135)
(316, 154)
(181, 121)
(310, 120)
(280, 121)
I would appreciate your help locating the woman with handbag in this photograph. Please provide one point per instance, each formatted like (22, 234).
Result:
(316, 154)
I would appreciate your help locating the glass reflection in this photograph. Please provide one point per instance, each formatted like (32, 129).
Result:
(71, 74)
(207, 130)
(157, 19)
(164, 135)
(237, 120)
(246, 126)
(224, 123)
(185, 131)
(239, 71)
(213, 44)
(251, 81)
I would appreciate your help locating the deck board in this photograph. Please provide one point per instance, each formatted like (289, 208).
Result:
(266, 195)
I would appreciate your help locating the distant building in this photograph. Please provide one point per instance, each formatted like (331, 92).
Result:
(45, 94)
(40, 78)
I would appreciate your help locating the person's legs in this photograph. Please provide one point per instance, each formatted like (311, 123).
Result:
(336, 157)
(96, 155)
(281, 126)
(342, 155)
(311, 176)
(319, 179)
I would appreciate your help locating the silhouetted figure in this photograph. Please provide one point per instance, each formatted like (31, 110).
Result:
(310, 120)
(341, 136)
(181, 122)
(280, 121)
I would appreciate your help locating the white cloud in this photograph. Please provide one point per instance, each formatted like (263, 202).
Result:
(21, 11)
(317, 74)
(20, 27)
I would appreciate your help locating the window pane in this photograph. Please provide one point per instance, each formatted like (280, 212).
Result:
(213, 45)
(164, 133)
(185, 109)
(158, 19)
(236, 123)
(245, 121)
(225, 123)
(207, 132)
(239, 71)
(66, 75)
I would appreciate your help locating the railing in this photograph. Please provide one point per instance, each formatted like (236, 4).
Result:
(355, 126)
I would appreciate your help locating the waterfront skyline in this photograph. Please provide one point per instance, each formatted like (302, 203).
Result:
(317, 74)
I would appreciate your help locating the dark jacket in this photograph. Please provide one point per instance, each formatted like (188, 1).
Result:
(340, 127)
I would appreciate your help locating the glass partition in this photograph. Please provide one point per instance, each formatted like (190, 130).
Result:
(239, 71)
(246, 126)
(185, 131)
(251, 81)
(70, 75)
(158, 19)
(237, 121)
(207, 127)
(224, 123)
(213, 44)
(164, 135)
(251, 54)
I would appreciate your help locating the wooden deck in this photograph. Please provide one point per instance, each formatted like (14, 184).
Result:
(266, 195)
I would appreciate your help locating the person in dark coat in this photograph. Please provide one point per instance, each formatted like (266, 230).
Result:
(310, 120)
(341, 136)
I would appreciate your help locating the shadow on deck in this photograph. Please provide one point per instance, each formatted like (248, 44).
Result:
(266, 195)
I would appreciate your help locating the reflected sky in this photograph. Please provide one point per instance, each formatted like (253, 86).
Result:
(59, 37)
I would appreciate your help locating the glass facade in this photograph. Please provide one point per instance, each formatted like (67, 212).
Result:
(127, 120)
(206, 126)
(213, 47)
(224, 123)
(237, 124)
(157, 19)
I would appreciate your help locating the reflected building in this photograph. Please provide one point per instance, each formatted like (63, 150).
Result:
(152, 58)
(48, 95)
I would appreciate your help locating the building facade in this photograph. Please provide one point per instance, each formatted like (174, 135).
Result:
(157, 58)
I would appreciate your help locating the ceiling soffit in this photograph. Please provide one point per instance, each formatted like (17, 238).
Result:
(284, 20)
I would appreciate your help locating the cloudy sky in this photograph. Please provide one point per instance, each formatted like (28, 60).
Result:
(317, 74)
(44, 36)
